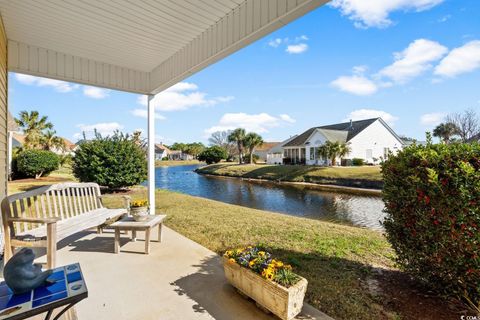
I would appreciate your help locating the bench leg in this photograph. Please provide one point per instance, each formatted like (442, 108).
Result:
(116, 246)
(99, 230)
(51, 245)
(134, 235)
(147, 241)
(8, 249)
(160, 232)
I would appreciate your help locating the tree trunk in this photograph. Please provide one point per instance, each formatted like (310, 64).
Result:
(239, 153)
(251, 157)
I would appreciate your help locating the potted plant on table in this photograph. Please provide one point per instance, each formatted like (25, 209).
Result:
(270, 282)
(139, 210)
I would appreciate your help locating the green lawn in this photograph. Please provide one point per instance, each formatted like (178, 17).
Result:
(64, 174)
(365, 176)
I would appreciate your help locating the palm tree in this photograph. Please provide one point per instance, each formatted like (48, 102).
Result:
(323, 151)
(251, 141)
(49, 140)
(32, 126)
(334, 149)
(238, 136)
(344, 149)
(445, 131)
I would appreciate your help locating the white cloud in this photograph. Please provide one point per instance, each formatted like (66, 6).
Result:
(182, 96)
(444, 18)
(259, 123)
(297, 48)
(375, 13)
(143, 113)
(95, 92)
(301, 38)
(413, 61)
(296, 45)
(432, 119)
(104, 128)
(62, 86)
(287, 118)
(362, 114)
(356, 84)
(57, 85)
(460, 60)
(275, 43)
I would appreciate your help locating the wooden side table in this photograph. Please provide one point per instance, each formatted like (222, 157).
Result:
(129, 224)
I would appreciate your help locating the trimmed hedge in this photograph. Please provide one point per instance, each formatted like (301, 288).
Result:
(36, 163)
(358, 162)
(432, 200)
(115, 162)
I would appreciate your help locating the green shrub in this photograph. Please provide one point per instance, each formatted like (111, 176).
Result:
(432, 201)
(213, 154)
(36, 163)
(115, 162)
(358, 162)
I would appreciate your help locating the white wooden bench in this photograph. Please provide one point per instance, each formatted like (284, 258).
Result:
(46, 215)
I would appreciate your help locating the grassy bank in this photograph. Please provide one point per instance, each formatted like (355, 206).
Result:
(173, 163)
(362, 177)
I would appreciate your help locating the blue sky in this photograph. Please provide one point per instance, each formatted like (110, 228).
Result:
(409, 61)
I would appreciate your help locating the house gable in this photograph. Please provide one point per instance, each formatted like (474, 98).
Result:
(373, 141)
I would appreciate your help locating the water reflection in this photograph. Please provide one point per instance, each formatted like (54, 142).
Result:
(365, 211)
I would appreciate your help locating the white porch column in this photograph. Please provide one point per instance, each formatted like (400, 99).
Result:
(151, 154)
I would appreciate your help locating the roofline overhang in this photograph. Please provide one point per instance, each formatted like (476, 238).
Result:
(220, 40)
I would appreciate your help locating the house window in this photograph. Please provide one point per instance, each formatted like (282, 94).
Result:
(386, 153)
(312, 153)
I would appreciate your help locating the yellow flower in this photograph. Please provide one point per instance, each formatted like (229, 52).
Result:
(261, 253)
(251, 263)
(139, 203)
(278, 264)
(231, 260)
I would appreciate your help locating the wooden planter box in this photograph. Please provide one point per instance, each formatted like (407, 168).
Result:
(285, 303)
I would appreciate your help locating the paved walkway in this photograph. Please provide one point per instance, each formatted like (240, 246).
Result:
(179, 279)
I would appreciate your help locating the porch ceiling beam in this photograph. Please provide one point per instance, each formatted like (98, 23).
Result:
(33, 60)
(248, 22)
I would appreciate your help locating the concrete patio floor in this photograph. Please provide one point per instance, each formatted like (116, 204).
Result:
(179, 279)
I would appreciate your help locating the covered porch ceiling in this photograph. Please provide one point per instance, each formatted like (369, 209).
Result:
(140, 46)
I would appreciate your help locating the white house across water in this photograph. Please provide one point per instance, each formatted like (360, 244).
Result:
(370, 140)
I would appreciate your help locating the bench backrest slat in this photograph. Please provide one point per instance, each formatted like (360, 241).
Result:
(65, 200)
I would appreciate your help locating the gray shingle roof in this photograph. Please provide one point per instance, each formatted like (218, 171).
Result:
(334, 132)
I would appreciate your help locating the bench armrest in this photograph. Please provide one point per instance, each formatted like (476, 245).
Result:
(34, 220)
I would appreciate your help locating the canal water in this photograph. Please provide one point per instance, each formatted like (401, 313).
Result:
(358, 210)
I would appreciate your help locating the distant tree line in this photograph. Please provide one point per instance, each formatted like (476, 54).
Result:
(193, 149)
(230, 145)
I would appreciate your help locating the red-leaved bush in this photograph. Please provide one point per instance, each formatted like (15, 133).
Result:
(432, 201)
